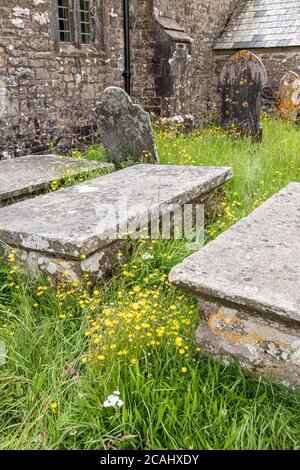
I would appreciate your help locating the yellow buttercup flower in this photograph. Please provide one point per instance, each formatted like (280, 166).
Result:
(53, 407)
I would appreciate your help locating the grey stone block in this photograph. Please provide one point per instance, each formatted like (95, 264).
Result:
(260, 13)
(2, 353)
(258, 37)
(259, 44)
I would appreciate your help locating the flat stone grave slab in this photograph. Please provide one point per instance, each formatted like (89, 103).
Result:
(247, 282)
(25, 176)
(81, 229)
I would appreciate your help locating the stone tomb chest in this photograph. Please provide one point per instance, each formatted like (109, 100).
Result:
(247, 282)
(79, 229)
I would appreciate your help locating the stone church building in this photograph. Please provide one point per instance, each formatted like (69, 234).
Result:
(56, 56)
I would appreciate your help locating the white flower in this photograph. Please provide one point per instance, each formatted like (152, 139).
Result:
(113, 401)
(146, 256)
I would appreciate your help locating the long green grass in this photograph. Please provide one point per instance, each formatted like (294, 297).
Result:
(54, 381)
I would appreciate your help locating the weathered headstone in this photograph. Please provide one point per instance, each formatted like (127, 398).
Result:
(242, 80)
(125, 128)
(288, 97)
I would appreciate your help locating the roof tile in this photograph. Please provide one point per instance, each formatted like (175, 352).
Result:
(262, 23)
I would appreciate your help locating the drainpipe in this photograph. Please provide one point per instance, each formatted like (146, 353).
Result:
(127, 70)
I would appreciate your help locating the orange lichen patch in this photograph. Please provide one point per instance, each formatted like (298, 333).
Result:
(219, 321)
(241, 54)
(281, 345)
(262, 342)
(286, 105)
(240, 332)
(228, 329)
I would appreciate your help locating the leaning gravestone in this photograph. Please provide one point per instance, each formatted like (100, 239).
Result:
(242, 79)
(288, 97)
(125, 128)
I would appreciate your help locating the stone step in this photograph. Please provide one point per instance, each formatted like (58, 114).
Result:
(25, 176)
(247, 282)
(55, 231)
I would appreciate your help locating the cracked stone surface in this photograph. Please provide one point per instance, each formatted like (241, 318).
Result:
(30, 174)
(83, 219)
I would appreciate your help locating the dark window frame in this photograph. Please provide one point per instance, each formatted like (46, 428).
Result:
(79, 18)
(64, 21)
(85, 21)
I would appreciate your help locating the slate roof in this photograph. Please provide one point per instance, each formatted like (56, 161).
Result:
(261, 24)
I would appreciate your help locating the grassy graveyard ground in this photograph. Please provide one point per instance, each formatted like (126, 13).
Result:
(69, 347)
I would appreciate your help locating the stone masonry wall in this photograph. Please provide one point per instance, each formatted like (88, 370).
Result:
(203, 20)
(48, 90)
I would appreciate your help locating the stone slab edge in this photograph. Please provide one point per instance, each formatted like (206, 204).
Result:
(200, 290)
(87, 165)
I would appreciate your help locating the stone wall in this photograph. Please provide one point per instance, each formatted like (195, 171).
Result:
(48, 90)
(277, 62)
(203, 21)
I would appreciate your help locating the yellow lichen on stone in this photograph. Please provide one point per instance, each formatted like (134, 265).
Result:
(286, 106)
(220, 319)
(229, 327)
(241, 54)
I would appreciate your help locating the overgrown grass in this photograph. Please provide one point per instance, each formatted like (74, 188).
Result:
(63, 341)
